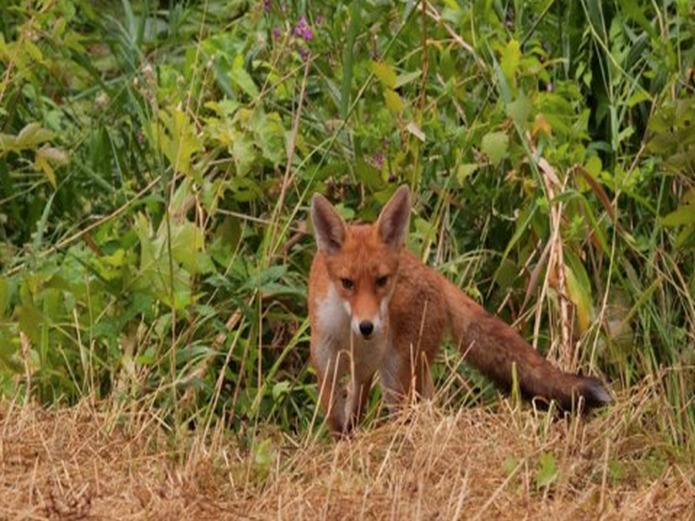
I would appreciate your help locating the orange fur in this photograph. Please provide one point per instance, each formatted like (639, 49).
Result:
(375, 308)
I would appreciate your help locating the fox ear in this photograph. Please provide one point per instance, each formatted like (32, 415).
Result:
(328, 225)
(394, 218)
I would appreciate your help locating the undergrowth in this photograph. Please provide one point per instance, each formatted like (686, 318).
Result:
(157, 159)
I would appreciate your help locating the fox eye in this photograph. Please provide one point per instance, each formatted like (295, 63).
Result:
(382, 281)
(347, 283)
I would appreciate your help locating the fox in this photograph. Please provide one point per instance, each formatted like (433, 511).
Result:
(376, 309)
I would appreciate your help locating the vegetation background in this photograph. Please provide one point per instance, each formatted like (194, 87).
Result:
(156, 164)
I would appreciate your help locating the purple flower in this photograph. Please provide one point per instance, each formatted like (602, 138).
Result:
(303, 30)
(266, 5)
(277, 33)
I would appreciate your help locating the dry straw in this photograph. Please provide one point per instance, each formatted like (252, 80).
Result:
(510, 463)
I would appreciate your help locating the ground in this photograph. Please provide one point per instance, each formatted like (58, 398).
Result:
(509, 463)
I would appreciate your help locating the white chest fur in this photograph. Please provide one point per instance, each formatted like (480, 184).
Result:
(339, 344)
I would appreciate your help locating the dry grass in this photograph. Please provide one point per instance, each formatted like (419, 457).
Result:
(78, 463)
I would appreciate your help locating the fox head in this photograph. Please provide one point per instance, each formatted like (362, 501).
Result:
(362, 259)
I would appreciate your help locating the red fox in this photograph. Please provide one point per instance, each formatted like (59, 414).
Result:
(376, 308)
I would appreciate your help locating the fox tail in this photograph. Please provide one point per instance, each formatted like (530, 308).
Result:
(497, 350)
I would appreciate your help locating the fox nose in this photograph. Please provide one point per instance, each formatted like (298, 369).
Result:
(366, 328)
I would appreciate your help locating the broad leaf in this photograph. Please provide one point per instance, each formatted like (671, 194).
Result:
(495, 145)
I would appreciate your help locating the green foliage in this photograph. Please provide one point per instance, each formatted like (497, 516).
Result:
(547, 472)
(156, 160)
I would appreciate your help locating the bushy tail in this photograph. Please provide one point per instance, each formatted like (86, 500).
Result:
(494, 348)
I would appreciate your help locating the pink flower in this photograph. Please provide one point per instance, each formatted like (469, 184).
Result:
(303, 29)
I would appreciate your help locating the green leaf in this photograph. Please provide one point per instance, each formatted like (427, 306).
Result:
(519, 110)
(494, 145)
(146, 358)
(465, 170)
(579, 290)
(280, 389)
(594, 166)
(158, 276)
(174, 134)
(30, 137)
(393, 101)
(4, 295)
(263, 454)
(32, 50)
(225, 107)
(187, 241)
(548, 471)
(241, 78)
(349, 57)
(511, 56)
(384, 73)
(42, 165)
(510, 465)
(116, 259)
(638, 97)
(685, 237)
(143, 231)
(267, 280)
(404, 79)
(31, 321)
(633, 11)
(243, 152)
(270, 135)
(684, 214)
